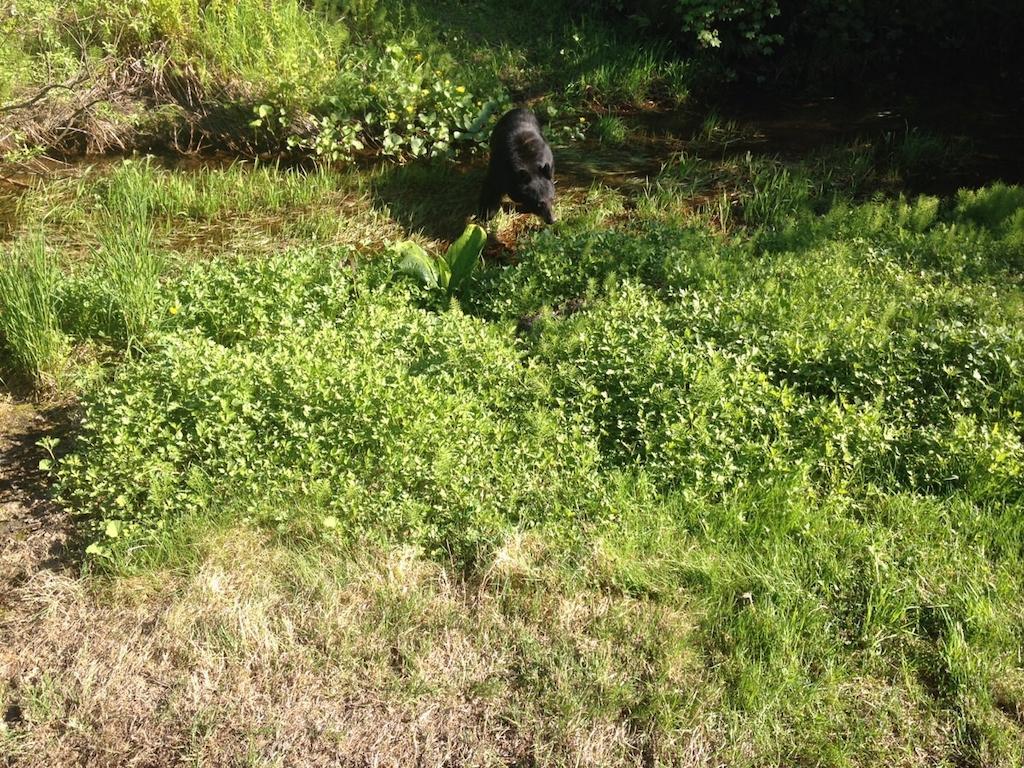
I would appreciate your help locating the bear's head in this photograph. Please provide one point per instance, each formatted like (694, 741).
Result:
(536, 191)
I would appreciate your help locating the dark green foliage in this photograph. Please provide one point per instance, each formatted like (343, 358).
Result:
(822, 42)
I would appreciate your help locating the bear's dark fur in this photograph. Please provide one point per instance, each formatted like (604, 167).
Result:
(522, 167)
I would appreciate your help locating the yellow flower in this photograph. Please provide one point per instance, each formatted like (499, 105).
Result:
(418, 57)
(583, 119)
(460, 89)
(424, 92)
(174, 309)
(409, 109)
(392, 115)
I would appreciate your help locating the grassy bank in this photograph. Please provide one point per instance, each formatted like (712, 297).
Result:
(685, 482)
(723, 468)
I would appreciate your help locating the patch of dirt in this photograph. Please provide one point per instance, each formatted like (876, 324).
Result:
(35, 534)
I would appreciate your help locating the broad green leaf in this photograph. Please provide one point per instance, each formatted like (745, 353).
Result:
(444, 273)
(417, 263)
(464, 254)
(481, 118)
(96, 549)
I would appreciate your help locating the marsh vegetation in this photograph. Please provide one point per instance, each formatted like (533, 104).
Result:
(723, 468)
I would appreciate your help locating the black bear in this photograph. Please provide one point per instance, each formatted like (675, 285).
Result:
(522, 167)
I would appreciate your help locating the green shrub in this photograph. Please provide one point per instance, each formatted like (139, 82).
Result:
(740, 29)
(711, 368)
(572, 266)
(410, 107)
(998, 207)
(702, 419)
(390, 419)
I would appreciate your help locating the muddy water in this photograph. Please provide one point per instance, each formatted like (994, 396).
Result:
(986, 136)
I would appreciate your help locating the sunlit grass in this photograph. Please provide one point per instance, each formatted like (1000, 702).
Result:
(727, 463)
(30, 331)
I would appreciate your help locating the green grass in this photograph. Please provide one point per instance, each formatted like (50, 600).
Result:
(611, 130)
(724, 469)
(128, 264)
(784, 465)
(30, 331)
(777, 194)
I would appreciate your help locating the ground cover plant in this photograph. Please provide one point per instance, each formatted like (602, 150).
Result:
(782, 468)
(724, 468)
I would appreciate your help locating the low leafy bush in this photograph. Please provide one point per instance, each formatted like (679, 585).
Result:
(401, 102)
(565, 268)
(710, 367)
(386, 417)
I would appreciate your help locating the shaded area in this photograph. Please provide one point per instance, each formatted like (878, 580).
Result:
(35, 534)
(985, 130)
(854, 147)
(626, 166)
(434, 198)
(8, 211)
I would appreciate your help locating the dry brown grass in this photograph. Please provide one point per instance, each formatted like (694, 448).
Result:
(261, 656)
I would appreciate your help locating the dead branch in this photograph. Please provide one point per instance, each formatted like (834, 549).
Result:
(13, 182)
(42, 94)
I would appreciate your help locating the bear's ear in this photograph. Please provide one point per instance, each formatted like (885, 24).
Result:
(523, 175)
(545, 171)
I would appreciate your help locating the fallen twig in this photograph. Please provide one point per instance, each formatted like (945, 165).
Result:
(14, 182)
(42, 94)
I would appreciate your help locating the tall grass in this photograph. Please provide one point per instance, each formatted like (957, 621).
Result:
(30, 331)
(610, 130)
(279, 48)
(203, 194)
(607, 72)
(776, 193)
(128, 261)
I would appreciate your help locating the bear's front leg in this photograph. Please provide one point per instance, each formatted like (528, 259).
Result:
(490, 198)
